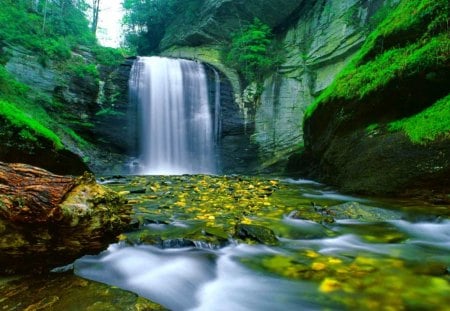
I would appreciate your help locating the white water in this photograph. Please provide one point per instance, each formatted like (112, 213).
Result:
(200, 280)
(176, 123)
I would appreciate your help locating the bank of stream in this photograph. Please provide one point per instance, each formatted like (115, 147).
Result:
(246, 243)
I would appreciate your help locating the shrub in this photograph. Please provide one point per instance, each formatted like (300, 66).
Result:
(250, 51)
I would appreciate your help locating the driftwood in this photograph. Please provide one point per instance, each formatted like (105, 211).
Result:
(31, 195)
(47, 220)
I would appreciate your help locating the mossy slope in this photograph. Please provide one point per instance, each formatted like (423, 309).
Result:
(383, 125)
(50, 72)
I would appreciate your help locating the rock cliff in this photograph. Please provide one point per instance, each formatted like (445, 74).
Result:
(319, 38)
(375, 70)
(88, 103)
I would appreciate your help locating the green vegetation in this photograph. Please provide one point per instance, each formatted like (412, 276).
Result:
(57, 34)
(51, 29)
(30, 126)
(358, 82)
(107, 56)
(428, 124)
(250, 51)
(410, 39)
(82, 69)
(146, 22)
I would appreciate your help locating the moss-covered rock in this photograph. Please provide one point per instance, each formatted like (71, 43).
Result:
(65, 292)
(382, 126)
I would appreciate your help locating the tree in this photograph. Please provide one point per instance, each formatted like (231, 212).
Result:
(146, 22)
(95, 14)
(250, 51)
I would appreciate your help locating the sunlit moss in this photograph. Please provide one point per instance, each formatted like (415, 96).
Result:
(428, 124)
(415, 26)
(28, 124)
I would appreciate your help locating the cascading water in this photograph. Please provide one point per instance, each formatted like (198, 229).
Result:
(177, 134)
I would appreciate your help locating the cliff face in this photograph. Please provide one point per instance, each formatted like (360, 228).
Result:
(319, 44)
(368, 78)
(89, 110)
(211, 21)
(383, 126)
(319, 38)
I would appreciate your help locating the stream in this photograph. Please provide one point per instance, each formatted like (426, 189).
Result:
(331, 251)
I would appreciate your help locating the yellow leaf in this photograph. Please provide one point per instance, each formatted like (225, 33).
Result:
(121, 237)
(317, 266)
(311, 254)
(329, 285)
(180, 204)
(334, 261)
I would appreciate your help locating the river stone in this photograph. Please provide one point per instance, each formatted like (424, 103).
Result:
(256, 233)
(358, 211)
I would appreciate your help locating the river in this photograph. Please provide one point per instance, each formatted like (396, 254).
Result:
(331, 251)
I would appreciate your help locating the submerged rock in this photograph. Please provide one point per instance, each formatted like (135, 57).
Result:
(256, 233)
(48, 220)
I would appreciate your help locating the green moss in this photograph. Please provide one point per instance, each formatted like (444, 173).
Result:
(76, 137)
(31, 127)
(372, 127)
(427, 125)
(109, 112)
(407, 41)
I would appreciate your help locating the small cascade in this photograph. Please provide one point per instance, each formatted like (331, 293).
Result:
(177, 128)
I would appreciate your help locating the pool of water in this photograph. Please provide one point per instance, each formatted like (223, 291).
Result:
(332, 251)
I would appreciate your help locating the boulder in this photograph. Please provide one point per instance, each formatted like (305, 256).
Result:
(48, 220)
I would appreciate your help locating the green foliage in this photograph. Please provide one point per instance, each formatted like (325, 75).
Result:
(108, 56)
(30, 126)
(9, 86)
(250, 51)
(83, 69)
(411, 38)
(108, 112)
(51, 32)
(427, 125)
(146, 22)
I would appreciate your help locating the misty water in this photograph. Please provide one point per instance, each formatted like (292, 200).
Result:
(176, 126)
(333, 251)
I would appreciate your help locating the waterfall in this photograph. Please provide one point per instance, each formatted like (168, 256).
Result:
(174, 116)
(217, 125)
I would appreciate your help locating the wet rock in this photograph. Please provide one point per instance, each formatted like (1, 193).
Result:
(178, 243)
(256, 233)
(65, 292)
(48, 220)
(355, 210)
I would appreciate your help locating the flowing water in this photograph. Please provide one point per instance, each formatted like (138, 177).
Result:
(331, 252)
(176, 132)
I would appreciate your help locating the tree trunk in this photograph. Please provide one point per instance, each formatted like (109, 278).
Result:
(31, 195)
(47, 220)
(95, 14)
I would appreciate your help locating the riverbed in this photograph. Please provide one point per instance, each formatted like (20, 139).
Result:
(245, 243)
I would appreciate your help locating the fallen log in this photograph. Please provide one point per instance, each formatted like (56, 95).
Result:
(47, 220)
